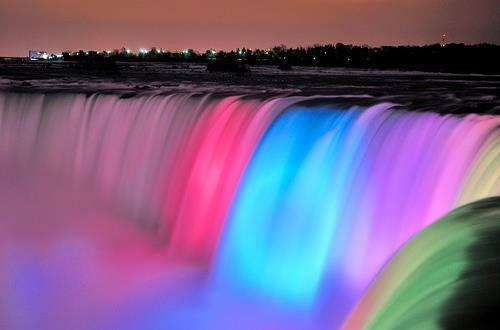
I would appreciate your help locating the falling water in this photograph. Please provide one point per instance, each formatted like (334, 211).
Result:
(444, 278)
(198, 211)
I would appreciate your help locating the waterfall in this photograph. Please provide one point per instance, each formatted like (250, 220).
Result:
(282, 210)
(444, 278)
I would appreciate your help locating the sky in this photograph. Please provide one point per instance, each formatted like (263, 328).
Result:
(59, 25)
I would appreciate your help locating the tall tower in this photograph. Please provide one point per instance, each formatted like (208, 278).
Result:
(443, 40)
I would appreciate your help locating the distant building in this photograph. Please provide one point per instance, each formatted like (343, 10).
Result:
(56, 56)
(35, 55)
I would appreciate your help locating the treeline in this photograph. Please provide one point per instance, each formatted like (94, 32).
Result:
(480, 58)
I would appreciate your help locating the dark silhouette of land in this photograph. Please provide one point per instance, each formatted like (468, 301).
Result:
(456, 58)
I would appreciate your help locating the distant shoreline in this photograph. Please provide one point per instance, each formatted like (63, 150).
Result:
(444, 58)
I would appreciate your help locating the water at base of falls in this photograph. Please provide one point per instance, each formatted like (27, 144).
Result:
(204, 212)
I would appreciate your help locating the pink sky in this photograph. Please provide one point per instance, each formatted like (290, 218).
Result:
(58, 25)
